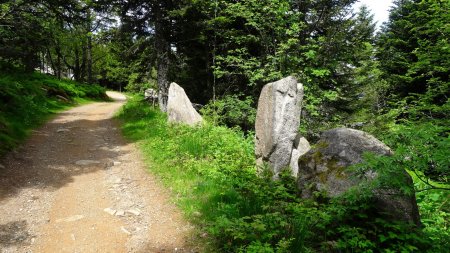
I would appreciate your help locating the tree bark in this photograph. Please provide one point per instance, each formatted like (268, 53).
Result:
(162, 46)
(89, 48)
(77, 67)
(52, 63)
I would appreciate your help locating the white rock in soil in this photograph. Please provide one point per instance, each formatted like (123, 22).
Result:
(86, 162)
(116, 163)
(120, 213)
(110, 210)
(70, 219)
(125, 230)
(62, 130)
(134, 211)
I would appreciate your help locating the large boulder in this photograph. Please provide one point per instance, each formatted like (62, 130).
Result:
(179, 107)
(324, 169)
(277, 122)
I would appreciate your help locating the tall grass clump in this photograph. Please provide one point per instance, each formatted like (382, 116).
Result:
(27, 99)
(211, 171)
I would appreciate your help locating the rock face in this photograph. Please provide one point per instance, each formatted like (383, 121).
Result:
(179, 107)
(301, 147)
(325, 169)
(277, 122)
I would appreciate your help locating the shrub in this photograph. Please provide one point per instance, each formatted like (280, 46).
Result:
(26, 100)
(211, 171)
(232, 111)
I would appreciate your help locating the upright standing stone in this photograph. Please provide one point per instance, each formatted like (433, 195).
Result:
(277, 122)
(179, 107)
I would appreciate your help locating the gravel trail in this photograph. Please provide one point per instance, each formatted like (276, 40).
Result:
(77, 186)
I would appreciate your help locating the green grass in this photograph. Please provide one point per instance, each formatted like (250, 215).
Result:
(29, 100)
(211, 173)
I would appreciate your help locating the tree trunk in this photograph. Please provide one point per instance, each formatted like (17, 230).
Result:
(89, 48)
(58, 64)
(52, 63)
(77, 67)
(162, 46)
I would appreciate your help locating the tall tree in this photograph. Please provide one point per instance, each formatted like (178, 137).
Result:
(414, 51)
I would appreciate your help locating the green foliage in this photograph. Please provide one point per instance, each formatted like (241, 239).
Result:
(414, 50)
(434, 208)
(232, 111)
(26, 101)
(212, 173)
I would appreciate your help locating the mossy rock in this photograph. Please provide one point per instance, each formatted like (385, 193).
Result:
(327, 168)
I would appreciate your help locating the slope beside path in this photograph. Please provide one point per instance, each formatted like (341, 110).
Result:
(77, 186)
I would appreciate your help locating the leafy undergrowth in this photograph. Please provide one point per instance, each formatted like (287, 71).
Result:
(211, 171)
(27, 100)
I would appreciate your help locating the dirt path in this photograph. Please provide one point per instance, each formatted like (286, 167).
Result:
(78, 186)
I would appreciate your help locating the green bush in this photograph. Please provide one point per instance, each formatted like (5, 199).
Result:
(211, 171)
(231, 111)
(26, 100)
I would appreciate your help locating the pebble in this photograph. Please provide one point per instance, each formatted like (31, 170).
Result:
(86, 162)
(61, 130)
(125, 230)
(70, 219)
(116, 163)
(134, 211)
(120, 213)
(110, 210)
(2, 166)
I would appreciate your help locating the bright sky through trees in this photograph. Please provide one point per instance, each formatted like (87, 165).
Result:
(379, 7)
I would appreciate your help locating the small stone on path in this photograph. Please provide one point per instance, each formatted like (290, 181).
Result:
(62, 130)
(125, 230)
(110, 210)
(70, 219)
(86, 162)
(120, 213)
(2, 166)
(116, 163)
(134, 211)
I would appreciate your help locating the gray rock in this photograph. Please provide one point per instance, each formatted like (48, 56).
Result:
(62, 130)
(325, 169)
(151, 96)
(301, 147)
(179, 107)
(86, 162)
(134, 211)
(197, 107)
(277, 122)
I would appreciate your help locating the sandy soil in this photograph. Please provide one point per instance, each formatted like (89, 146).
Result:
(77, 186)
